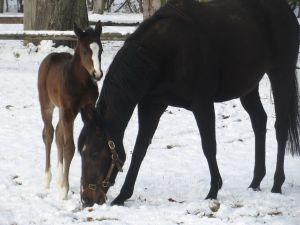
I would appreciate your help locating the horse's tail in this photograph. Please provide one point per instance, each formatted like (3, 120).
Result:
(293, 145)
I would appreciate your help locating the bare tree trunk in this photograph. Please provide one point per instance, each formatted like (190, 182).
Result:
(151, 6)
(141, 5)
(54, 14)
(1, 6)
(99, 6)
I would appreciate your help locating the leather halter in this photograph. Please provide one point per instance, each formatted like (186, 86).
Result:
(115, 162)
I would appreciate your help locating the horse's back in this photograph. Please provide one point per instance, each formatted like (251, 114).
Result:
(232, 43)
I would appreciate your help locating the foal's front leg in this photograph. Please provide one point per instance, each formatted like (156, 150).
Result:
(205, 117)
(149, 115)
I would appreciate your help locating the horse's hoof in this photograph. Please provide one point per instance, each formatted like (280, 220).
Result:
(211, 196)
(117, 203)
(255, 188)
(276, 190)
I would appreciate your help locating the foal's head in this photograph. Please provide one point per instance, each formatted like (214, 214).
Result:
(89, 48)
(100, 161)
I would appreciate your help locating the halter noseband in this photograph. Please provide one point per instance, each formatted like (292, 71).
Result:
(116, 162)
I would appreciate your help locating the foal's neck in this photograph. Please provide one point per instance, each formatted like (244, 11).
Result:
(78, 71)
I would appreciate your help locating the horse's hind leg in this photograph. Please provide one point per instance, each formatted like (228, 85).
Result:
(205, 117)
(258, 116)
(149, 115)
(48, 132)
(282, 82)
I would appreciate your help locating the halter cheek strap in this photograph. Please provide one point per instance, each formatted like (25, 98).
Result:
(115, 162)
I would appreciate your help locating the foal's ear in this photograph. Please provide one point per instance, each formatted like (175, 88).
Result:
(98, 28)
(77, 31)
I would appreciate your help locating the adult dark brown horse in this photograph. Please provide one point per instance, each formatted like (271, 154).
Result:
(69, 83)
(190, 55)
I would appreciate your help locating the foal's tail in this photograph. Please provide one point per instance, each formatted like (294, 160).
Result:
(293, 145)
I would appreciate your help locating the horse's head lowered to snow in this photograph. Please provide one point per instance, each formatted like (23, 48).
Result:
(89, 49)
(100, 161)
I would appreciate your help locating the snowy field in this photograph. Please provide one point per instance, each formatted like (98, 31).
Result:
(174, 178)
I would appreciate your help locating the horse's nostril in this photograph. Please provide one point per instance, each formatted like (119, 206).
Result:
(87, 202)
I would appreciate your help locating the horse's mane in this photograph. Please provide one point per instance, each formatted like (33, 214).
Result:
(128, 78)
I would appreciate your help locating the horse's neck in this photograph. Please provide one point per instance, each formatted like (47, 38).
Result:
(115, 109)
(129, 78)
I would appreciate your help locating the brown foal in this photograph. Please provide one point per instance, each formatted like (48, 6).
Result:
(69, 83)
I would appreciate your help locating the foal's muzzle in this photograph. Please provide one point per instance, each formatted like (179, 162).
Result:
(97, 75)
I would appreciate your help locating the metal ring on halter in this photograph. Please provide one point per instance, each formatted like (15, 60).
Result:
(111, 145)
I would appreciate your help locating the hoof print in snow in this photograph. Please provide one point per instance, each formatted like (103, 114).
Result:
(237, 205)
(89, 219)
(9, 107)
(175, 201)
(275, 213)
(224, 117)
(15, 180)
(171, 146)
(16, 54)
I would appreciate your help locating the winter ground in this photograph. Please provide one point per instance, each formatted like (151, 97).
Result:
(174, 178)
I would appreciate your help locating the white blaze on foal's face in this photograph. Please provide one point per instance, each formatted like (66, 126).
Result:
(95, 53)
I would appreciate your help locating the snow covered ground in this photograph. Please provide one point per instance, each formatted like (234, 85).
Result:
(174, 178)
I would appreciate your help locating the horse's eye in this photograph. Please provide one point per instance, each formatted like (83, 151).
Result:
(94, 155)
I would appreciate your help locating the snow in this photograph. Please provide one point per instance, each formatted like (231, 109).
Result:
(117, 17)
(8, 29)
(174, 178)
(11, 14)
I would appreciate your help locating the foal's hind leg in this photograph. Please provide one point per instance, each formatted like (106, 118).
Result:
(68, 117)
(258, 116)
(205, 117)
(59, 137)
(149, 115)
(48, 131)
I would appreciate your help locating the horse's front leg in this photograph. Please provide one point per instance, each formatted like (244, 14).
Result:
(149, 115)
(205, 117)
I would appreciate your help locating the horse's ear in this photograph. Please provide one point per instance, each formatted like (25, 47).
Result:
(77, 31)
(98, 28)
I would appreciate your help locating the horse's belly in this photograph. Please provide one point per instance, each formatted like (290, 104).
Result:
(237, 86)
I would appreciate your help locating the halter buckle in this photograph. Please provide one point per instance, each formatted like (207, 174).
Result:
(92, 187)
(105, 184)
